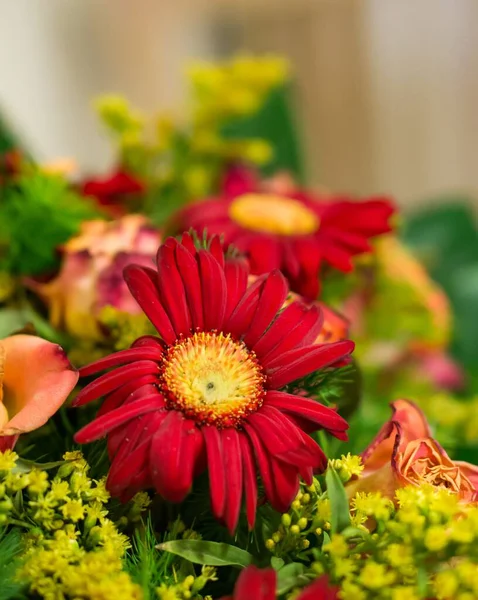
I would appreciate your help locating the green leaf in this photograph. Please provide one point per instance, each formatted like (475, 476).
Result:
(25, 466)
(275, 123)
(289, 577)
(277, 563)
(339, 503)
(202, 552)
(11, 319)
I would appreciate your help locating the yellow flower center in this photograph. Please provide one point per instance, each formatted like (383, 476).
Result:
(212, 379)
(273, 214)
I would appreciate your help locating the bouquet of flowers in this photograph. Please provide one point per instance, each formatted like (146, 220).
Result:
(218, 383)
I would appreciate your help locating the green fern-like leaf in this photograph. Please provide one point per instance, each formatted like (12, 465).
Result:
(38, 213)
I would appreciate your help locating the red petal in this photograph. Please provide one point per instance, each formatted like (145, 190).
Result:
(286, 480)
(131, 459)
(217, 475)
(298, 451)
(106, 423)
(128, 393)
(233, 466)
(147, 296)
(250, 480)
(273, 295)
(263, 464)
(242, 315)
(174, 449)
(295, 327)
(111, 381)
(300, 362)
(215, 248)
(236, 273)
(188, 269)
(319, 590)
(170, 284)
(256, 584)
(123, 357)
(213, 283)
(264, 253)
(313, 411)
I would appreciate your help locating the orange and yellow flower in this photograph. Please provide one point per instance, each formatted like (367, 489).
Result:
(404, 453)
(35, 380)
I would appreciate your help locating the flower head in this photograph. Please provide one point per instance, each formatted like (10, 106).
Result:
(35, 380)
(260, 584)
(208, 391)
(91, 274)
(290, 229)
(404, 453)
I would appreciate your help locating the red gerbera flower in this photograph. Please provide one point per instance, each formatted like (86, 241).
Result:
(290, 229)
(206, 392)
(260, 584)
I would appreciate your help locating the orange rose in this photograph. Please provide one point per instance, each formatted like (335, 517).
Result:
(404, 453)
(35, 380)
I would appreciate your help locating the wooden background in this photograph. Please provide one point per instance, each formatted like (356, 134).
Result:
(387, 90)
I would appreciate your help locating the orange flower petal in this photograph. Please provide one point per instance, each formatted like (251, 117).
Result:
(411, 419)
(470, 472)
(37, 380)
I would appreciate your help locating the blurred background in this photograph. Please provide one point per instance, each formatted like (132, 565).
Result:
(385, 90)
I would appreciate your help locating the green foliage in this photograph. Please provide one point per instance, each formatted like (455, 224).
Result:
(38, 213)
(445, 237)
(203, 552)
(275, 124)
(10, 549)
(290, 576)
(339, 504)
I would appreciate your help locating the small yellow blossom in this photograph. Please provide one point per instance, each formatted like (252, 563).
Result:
(436, 538)
(38, 481)
(8, 460)
(73, 510)
(375, 576)
(445, 585)
(59, 490)
(337, 547)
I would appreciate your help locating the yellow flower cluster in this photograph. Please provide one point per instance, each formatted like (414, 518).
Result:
(347, 466)
(309, 516)
(60, 569)
(183, 160)
(124, 328)
(235, 87)
(73, 549)
(426, 546)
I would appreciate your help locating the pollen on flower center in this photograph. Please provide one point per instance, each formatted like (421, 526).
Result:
(273, 214)
(212, 379)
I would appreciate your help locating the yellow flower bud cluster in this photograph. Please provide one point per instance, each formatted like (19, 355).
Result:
(234, 88)
(183, 159)
(61, 569)
(189, 587)
(423, 546)
(124, 328)
(304, 524)
(67, 529)
(347, 466)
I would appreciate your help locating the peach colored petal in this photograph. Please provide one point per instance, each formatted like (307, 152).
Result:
(379, 452)
(411, 419)
(37, 380)
(470, 472)
(385, 480)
